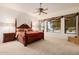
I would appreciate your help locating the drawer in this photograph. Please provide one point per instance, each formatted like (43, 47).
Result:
(8, 37)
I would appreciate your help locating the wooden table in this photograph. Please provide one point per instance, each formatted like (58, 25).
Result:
(74, 39)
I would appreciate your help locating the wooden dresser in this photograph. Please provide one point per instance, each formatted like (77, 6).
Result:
(8, 37)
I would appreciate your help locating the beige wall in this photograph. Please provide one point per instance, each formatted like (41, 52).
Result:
(23, 19)
(8, 15)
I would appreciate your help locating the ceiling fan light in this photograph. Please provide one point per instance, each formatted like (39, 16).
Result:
(41, 10)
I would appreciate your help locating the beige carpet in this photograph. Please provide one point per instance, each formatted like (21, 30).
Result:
(43, 47)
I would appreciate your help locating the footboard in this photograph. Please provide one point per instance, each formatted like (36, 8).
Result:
(32, 37)
(29, 37)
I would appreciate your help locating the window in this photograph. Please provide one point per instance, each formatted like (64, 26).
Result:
(7, 25)
(54, 25)
(41, 25)
(70, 24)
(35, 25)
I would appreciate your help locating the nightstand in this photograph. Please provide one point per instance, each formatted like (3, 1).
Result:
(8, 37)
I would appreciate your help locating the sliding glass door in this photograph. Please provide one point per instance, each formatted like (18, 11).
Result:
(54, 25)
(70, 25)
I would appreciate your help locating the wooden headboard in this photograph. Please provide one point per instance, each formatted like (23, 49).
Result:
(24, 26)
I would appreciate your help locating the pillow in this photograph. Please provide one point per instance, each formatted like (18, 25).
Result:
(20, 30)
(29, 29)
(24, 29)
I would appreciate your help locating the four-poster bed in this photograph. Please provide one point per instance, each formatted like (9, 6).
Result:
(26, 35)
(23, 34)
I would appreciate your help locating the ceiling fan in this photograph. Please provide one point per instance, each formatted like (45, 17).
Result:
(41, 10)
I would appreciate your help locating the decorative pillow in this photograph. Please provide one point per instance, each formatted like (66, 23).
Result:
(23, 30)
(29, 29)
(20, 30)
(26, 30)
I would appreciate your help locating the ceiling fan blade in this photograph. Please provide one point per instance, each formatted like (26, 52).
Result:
(39, 13)
(41, 10)
(45, 9)
(36, 10)
(44, 12)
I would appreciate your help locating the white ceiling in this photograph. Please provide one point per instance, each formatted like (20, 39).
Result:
(53, 8)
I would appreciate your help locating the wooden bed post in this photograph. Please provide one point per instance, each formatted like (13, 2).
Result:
(26, 39)
(43, 35)
(78, 24)
(31, 24)
(15, 24)
(15, 28)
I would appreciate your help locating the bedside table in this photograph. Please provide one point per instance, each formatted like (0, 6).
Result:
(8, 37)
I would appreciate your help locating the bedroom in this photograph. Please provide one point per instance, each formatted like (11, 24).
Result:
(25, 13)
